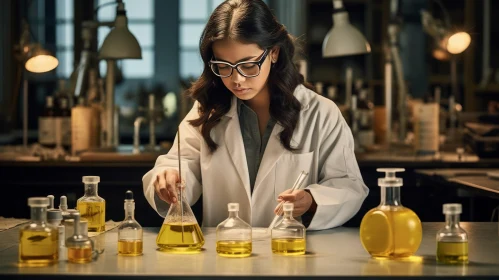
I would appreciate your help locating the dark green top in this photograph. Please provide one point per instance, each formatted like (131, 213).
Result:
(254, 143)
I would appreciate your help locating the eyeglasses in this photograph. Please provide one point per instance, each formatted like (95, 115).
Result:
(248, 69)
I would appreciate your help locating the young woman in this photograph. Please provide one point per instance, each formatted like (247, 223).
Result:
(254, 127)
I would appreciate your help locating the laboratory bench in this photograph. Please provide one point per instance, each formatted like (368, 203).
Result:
(423, 194)
(333, 253)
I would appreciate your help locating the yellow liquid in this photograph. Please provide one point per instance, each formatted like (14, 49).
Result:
(452, 252)
(234, 249)
(394, 233)
(80, 255)
(38, 248)
(175, 238)
(94, 213)
(288, 246)
(130, 247)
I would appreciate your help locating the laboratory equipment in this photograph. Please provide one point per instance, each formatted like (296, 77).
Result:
(180, 232)
(80, 247)
(92, 207)
(288, 237)
(452, 240)
(63, 205)
(38, 241)
(298, 183)
(390, 230)
(51, 202)
(46, 124)
(129, 231)
(54, 217)
(234, 235)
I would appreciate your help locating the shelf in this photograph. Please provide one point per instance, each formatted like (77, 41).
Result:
(489, 89)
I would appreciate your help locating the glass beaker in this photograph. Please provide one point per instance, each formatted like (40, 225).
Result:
(452, 240)
(92, 207)
(234, 235)
(129, 231)
(39, 240)
(180, 232)
(390, 230)
(288, 236)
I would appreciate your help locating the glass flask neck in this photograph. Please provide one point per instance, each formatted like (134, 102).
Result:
(390, 196)
(288, 214)
(91, 189)
(451, 220)
(129, 210)
(233, 214)
(39, 214)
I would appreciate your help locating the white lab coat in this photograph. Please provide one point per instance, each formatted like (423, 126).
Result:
(326, 152)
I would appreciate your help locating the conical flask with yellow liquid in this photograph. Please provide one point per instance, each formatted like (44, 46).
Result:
(180, 232)
(390, 230)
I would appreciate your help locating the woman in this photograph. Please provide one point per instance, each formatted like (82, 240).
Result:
(254, 127)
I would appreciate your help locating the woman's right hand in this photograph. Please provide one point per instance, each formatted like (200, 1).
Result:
(165, 185)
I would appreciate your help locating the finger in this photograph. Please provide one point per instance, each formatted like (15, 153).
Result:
(288, 191)
(160, 187)
(288, 197)
(171, 185)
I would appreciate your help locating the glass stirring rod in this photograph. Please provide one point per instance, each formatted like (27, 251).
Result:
(181, 187)
(299, 181)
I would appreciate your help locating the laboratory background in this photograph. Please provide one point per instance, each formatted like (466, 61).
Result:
(97, 88)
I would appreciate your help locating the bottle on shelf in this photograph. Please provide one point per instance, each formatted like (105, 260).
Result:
(46, 124)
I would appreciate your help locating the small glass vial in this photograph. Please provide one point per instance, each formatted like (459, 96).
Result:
(234, 235)
(38, 241)
(288, 236)
(92, 207)
(63, 205)
(54, 217)
(80, 247)
(452, 240)
(129, 231)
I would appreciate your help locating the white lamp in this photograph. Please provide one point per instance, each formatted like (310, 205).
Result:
(118, 44)
(343, 39)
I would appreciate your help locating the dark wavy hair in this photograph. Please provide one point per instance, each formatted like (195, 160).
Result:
(247, 21)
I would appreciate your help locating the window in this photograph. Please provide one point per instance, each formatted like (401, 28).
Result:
(193, 17)
(64, 37)
(140, 14)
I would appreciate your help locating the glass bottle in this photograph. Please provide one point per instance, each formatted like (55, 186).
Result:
(38, 241)
(288, 236)
(390, 230)
(234, 235)
(54, 217)
(180, 232)
(80, 247)
(63, 206)
(129, 231)
(46, 124)
(92, 207)
(452, 240)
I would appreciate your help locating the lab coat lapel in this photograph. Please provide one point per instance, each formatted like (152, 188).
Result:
(235, 146)
(272, 153)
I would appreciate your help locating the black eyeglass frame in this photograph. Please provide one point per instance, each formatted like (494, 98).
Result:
(235, 66)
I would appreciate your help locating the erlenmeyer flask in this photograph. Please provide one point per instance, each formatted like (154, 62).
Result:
(180, 232)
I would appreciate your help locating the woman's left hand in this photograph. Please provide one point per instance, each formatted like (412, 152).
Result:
(301, 199)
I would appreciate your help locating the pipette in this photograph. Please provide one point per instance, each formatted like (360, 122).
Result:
(180, 179)
(299, 181)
